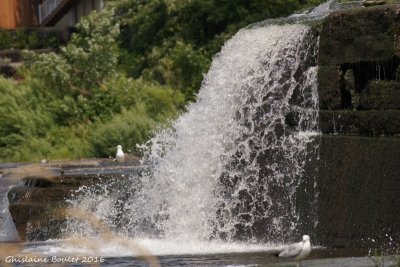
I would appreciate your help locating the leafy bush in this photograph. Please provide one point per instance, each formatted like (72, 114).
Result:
(51, 127)
(6, 39)
(24, 39)
(76, 74)
(23, 116)
(179, 66)
(162, 103)
(172, 42)
(127, 129)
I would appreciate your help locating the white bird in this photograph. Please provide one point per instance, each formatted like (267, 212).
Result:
(297, 251)
(120, 156)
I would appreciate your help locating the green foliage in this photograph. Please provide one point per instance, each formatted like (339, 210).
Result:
(128, 69)
(172, 42)
(127, 129)
(21, 39)
(150, 106)
(24, 39)
(27, 128)
(179, 66)
(162, 103)
(76, 74)
(88, 60)
(93, 52)
(6, 39)
(50, 68)
(52, 127)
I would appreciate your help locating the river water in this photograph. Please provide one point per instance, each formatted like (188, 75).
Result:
(63, 254)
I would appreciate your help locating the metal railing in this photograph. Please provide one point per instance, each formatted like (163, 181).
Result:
(47, 7)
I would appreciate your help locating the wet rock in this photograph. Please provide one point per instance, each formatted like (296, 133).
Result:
(28, 215)
(36, 181)
(374, 2)
(38, 202)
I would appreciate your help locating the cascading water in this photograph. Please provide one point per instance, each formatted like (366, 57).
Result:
(228, 169)
(277, 118)
(8, 232)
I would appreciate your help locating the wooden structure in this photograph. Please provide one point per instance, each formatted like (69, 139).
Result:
(19, 13)
(45, 13)
(51, 11)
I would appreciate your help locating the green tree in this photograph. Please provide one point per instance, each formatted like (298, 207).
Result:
(172, 42)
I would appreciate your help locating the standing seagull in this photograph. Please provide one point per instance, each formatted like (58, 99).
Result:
(297, 251)
(120, 157)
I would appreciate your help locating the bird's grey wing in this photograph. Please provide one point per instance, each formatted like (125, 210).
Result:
(292, 251)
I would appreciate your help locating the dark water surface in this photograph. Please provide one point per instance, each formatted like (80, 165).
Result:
(318, 257)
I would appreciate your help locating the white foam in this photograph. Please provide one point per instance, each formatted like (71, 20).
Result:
(8, 231)
(128, 247)
(192, 191)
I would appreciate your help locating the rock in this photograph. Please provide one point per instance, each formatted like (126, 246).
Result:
(374, 3)
(38, 201)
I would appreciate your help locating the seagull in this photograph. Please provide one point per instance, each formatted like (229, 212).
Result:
(297, 251)
(120, 157)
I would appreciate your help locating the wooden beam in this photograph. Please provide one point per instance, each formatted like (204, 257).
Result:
(58, 13)
(7, 14)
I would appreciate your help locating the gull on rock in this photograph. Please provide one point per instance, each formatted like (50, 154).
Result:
(297, 251)
(120, 156)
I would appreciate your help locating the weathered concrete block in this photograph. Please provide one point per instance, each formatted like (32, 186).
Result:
(363, 123)
(329, 82)
(364, 34)
(381, 95)
(358, 186)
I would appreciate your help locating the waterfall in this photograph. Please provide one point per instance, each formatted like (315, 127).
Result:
(8, 232)
(233, 162)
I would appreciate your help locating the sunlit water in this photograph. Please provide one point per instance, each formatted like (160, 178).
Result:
(157, 247)
(215, 173)
(8, 231)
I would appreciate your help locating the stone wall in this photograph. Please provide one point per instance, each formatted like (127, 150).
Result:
(359, 166)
